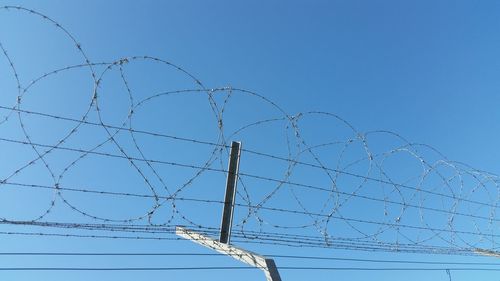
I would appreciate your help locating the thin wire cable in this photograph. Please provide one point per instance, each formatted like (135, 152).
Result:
(267, 255)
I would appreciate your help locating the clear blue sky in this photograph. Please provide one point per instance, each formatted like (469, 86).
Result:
(427, 70)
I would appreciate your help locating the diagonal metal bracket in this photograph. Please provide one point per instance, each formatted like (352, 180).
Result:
(488, 253)
(252, 259)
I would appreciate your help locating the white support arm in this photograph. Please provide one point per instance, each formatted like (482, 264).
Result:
(252, 259)
(488, 253)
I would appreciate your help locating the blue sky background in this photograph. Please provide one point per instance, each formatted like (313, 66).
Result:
(426, 70)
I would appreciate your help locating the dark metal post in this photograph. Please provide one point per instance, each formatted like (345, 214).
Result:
(232, 180)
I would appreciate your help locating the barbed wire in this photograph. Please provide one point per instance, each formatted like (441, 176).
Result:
(268, 241)
(346, 189)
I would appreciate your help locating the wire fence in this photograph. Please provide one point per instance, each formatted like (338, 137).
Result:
(309, 179)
